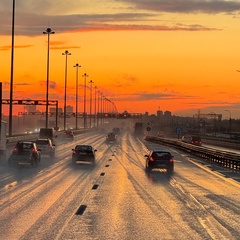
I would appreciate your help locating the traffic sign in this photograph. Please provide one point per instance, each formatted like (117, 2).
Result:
(148, 129)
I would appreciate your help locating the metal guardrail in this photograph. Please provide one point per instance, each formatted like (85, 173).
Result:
(33, 136)
(225, 159)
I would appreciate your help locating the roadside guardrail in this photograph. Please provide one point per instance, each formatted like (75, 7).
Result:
(226, 159)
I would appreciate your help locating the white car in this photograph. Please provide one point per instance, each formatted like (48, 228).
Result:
(46, 147)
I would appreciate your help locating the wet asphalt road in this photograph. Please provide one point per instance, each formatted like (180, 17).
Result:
(116, 198)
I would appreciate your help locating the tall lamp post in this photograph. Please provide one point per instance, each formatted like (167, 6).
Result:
(84, 100)
(77, 66)
(66, 53)
(95, 105)
(91, 82)
(11, 78)
(230, 123)
(48, 32)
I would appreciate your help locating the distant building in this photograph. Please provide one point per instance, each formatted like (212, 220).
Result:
(69, 109)
(159, 113)
(167, 114)
(30, 108)
(53, 110)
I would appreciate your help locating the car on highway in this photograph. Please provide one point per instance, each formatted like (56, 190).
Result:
(111, 137)
(116, 130)
(25, 153)
(196, 140)
(161, 159)
(46, 146)
(68, 134)
(186, 138)
(83, 153)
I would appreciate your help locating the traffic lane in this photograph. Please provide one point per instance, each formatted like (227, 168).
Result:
(118, 197)
(16, 175)
(49, 197)
(130, 204)
(215, 194)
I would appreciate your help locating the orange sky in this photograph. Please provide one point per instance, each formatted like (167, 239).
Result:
(142, 55)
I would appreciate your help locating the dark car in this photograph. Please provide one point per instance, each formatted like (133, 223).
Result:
(117, 130)
(111, 137)
(196, 140)
(68, 134)
(46, 147)
(83, 153)
(25, 153)
(161, 159)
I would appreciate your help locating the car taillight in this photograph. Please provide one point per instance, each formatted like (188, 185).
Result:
(171, 160)
(34, 150)
(15, 149)
(151, 159)
(74, 152)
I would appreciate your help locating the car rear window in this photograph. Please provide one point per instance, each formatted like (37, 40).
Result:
(24, 146)
(83, 148)
(161, 155)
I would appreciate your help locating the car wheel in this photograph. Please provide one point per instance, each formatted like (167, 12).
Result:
(73, 161)
(170, 170)
(34, 162)
(10, 163)
(148, 169)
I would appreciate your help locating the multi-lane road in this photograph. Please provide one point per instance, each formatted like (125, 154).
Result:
(116, 198)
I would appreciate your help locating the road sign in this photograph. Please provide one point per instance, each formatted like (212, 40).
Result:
(179, 130)
(148, 129)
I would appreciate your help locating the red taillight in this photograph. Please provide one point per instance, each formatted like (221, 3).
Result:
(34, 150)
(171, 160)
(15, 149)
(74, 152)
(151, 159)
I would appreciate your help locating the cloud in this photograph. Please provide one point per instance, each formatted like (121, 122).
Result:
(23, 84)
(6, 48)
(186, 6)
(52, 84)
(31, 17)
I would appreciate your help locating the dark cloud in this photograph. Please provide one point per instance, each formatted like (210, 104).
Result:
(31, 18)
(186, 6)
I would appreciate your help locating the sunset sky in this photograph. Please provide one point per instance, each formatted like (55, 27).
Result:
(143, 55)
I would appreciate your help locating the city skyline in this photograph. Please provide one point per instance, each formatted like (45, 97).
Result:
(142, 55)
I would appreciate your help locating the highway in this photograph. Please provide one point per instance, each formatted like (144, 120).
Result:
(116, 198)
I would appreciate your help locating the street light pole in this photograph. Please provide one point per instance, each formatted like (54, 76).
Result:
(66, 53)
(12, 63)
(77, 66)
(84, 100)
(95, 106)
(48, 32)
(91, 82)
